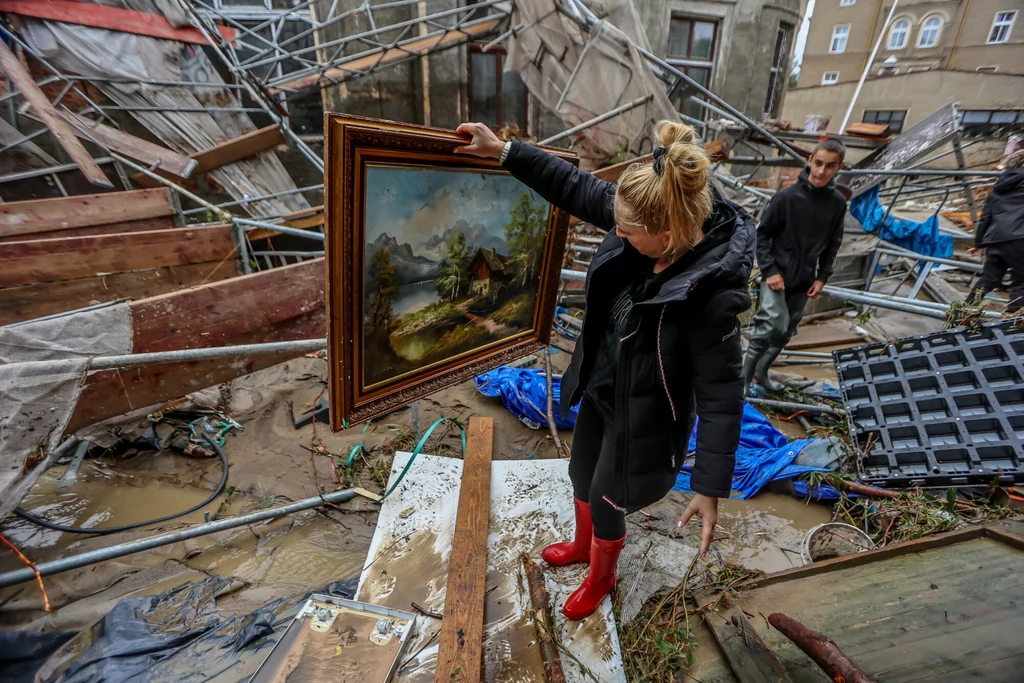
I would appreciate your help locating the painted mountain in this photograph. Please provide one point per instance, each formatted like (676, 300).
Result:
(411, 267)
(477, 237)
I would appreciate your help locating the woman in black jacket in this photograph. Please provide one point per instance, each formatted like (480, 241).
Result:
(660, 340)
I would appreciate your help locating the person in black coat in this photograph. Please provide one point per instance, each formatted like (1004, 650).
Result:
(660, 341)
(1000, 236)
(798, 237)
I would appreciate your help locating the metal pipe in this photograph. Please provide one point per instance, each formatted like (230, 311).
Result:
(583, 250)
(921, 163)
(807, 354)
(953, 173)
(134, 360)
(786, 405)
(120, 550)
(251, 224)
(599, 119)
(892, 297)
(867, 66)
(925, 308)
(964, 265)
(589, 240)
(24, 175)
(313, 254)
(732, 182)
(251, 200)
(573, 275)
(571, 321)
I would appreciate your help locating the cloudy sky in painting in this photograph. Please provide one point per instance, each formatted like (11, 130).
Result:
(411, 205)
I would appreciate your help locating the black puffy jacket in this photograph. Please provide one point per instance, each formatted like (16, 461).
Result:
(1002, 220)
(684, 356)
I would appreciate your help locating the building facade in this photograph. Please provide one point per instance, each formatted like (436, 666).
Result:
(957, 35)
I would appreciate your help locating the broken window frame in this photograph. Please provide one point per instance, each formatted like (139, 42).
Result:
(692, 65)
(875, 116)
(773, 101)
(843, 38)
(499, 54)
(996, 35)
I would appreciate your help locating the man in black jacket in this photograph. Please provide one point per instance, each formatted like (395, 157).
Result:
(799, 235)
(1000, 236)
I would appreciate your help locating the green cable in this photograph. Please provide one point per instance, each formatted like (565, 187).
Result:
(359, 446)
(417, 450)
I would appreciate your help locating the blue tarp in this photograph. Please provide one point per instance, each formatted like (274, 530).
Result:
(764, 454)
(923, 238)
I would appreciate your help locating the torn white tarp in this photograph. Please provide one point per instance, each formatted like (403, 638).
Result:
(581, 75)
(102, 54)
(42, 366)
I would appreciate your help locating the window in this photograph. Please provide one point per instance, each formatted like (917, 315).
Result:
(986, 69)
(846, 3)
(691, 49)
(929, 34)
(774, 99)
(496, 98)
(1001, 27)
(830, 78)
(988, 121)
(839, 35)
(892, 117)
(898, 34)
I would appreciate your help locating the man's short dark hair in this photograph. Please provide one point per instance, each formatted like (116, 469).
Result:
(831, 145)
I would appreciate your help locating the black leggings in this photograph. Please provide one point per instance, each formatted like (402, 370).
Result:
(591, 468)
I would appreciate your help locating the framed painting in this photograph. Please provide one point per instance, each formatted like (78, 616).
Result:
(439, 266)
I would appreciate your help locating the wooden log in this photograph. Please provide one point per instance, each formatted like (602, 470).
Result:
(421, 46)
(460, 649)
(861, 489)
(60, 128)
(749, 657)
(50, 260)
(47, 298)
(110, 18)
(39, 216)
(820, 648)
(542, 621)
(212, 314)
(224, 153)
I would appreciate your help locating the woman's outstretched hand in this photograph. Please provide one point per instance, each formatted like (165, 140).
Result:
(484, 142)
(705, 507)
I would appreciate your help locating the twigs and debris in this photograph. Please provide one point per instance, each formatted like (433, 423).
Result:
(966, 314)
(562, 453)
(542, 622)
(39, 577)
(820, 648)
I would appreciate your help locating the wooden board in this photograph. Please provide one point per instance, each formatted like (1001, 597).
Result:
(749, 658)
(110, 18)
(150, 154)
(460, 650)
(142, 225)
(870, 130)
(47, 298)
(50, 260)
(37, 216)
(236, 149)
(421, 46)
(213, 313)
(306, 219)
(110, 393)
(940, 608)
(60, 128)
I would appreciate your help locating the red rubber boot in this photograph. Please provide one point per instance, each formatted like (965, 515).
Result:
(604, 555)
(577, 550)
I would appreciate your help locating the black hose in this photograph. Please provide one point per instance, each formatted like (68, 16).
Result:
(35, 519)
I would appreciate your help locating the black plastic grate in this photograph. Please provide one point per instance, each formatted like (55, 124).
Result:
(943, 409)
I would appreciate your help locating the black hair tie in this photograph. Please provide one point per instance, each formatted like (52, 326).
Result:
(659, 165)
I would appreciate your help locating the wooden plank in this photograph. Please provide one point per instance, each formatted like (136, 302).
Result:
(143, 225)
(869, 130)
(414, 47)
(50, 260)
(48, 298)
(305, 219)
(460, 647)
(150, 154)
(236, 149)
(60, 128)
(749, 658)
(110, 18)
(110, 393)
(43, 215)
(213, 313)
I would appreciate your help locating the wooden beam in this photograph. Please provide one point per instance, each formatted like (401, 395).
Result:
(213, 313)
(110, 18)
(60, 128)
(237, 149)
(413, 48)
(460, 648)
(141, 225)
(747, 654)
(109, 393)
(150, 154)
(306, 219)
(47, 298)
(50, 260)
(45, 215)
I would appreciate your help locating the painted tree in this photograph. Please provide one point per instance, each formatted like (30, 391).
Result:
(382, 287)
(524, 239)
(454, 268)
